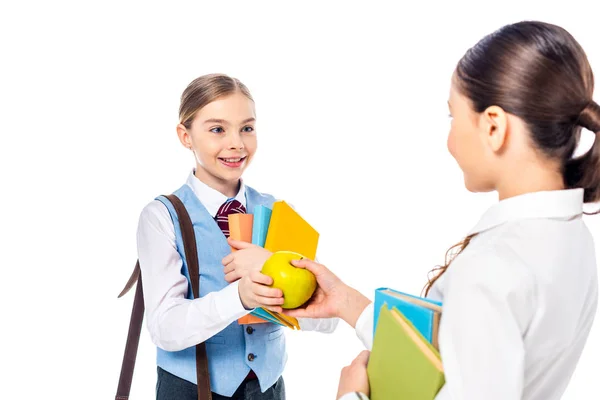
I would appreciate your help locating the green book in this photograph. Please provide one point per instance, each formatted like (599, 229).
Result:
(403, 364)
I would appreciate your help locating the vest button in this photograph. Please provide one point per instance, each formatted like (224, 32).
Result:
(249, 330)
(251, 357)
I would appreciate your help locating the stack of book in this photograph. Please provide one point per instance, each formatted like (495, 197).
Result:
(277, 229)
(405, 361)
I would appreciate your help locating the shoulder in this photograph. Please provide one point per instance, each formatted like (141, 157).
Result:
(493, 273)
(155, 215)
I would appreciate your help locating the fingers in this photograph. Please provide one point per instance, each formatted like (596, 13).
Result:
(265, 291)
(232, 276)
(266, 295)
(228, 259)
(274, 309)
(239, 244)
(255, 292)
(307, 310)
(257, 277)
(362, 358)
(310, 265)
(268, 301)
(298, 313)
(228, 268)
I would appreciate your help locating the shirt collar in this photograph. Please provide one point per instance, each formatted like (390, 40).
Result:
(556, 204)
(211, 198)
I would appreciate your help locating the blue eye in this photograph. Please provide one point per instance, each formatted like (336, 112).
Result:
(248, 129)
(217, 129)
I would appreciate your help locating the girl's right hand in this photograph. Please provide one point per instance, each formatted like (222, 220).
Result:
(332, 298)
(255, 292)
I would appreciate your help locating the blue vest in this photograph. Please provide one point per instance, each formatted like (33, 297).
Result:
(228, 351)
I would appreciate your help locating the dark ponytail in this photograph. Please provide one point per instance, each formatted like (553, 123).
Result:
(539, 73)
(584, 171)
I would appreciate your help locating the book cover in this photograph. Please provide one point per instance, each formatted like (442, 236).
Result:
(403, 364)
(240, 227)
(262, 315)
(424, 314)
(260, 226)
(290, 322)
(259, 316)
(288, 231)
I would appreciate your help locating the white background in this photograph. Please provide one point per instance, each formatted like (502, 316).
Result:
(351, 102)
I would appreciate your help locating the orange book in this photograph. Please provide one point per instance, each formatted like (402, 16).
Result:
(288, 231)
(240, 227)
(251, 319)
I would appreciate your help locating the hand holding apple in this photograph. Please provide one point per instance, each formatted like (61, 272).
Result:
(255, 292)
(297, 284)
(332, 298)
(247, 257)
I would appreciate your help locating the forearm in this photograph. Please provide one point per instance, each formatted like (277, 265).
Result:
(352, 306)
(179, 323)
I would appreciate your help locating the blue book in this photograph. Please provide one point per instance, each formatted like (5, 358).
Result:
(424, 313)
(260, 225)
(259, 312)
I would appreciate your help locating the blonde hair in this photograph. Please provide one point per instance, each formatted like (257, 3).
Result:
(204, 90)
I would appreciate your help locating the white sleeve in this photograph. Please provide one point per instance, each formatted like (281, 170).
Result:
(354, 396)
(364, 326)
(175, 322)
(324, 325)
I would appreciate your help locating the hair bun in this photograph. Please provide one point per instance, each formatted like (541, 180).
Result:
(589, 118)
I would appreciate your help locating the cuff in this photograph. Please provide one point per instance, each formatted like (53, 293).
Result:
(364, 326)
(354, 396)
(229, 305)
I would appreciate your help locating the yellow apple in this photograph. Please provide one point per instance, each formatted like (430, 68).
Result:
(297, 284)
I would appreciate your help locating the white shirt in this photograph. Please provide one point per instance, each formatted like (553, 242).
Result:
(174, 322)
(518, 303)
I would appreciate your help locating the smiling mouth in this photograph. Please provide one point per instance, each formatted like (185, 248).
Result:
(233, 160)
(235, 163)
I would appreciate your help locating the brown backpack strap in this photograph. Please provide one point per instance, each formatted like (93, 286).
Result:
(191, 256)
(133, 336)
(137, 313)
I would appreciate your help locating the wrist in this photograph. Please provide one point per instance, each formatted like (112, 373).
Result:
(353, 306)
(246, 307)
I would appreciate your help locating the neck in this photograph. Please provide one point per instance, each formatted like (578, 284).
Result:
(228, 188)
(530, 178)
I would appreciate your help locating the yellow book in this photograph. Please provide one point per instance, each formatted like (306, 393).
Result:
(290, 322)
(288, 231)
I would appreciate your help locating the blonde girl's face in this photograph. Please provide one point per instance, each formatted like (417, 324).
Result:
(223, 138)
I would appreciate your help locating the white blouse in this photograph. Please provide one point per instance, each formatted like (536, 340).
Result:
(518, 303)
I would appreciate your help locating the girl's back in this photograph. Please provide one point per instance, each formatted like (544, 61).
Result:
(532, 265)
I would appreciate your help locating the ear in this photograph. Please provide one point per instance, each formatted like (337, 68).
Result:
(494, 123)
(184, 137)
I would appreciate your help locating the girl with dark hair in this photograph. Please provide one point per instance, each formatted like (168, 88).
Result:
(521, 295)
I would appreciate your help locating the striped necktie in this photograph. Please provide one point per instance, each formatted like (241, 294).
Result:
(229, 207)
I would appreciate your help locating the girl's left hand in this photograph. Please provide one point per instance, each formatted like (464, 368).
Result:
(247, 258)
(354, 377)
